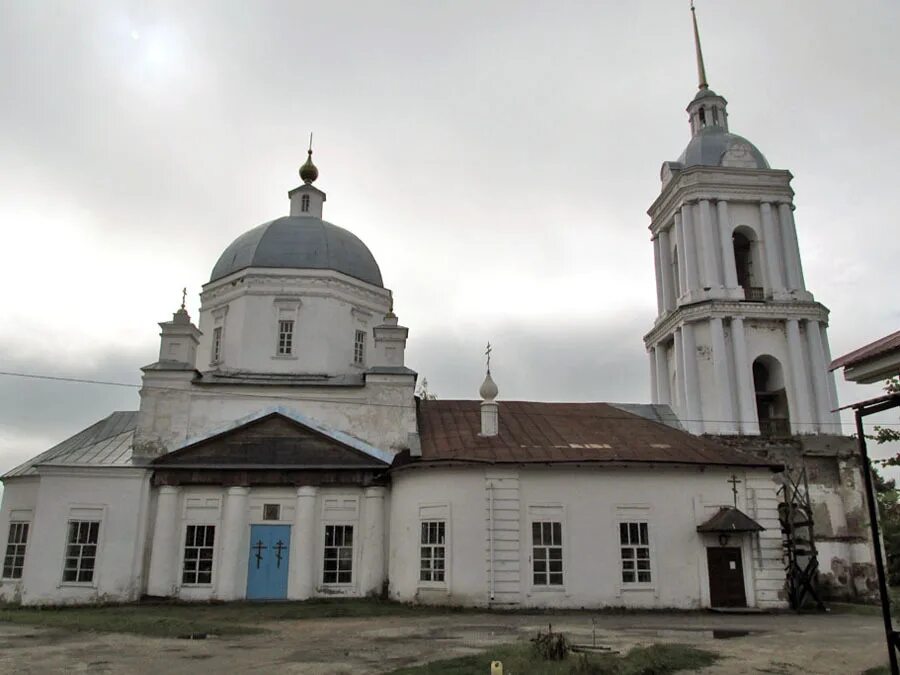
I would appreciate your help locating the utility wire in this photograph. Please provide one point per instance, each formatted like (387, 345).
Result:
(108, 383)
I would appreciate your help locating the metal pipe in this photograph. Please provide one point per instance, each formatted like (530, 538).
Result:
(876, 544)
(491, 539)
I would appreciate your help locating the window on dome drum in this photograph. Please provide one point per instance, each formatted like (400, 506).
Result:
(14, 560)
(702, 117)
(432, 551)
(634, 541)
(285, 337)
(715, 113)
(81, 551)
(359, 348)
(271, 511)
(217, 344)
(304, 203)
(546, 553)
(199, 545)
(338, 558)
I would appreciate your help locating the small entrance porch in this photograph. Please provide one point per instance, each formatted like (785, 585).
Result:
(725, 562)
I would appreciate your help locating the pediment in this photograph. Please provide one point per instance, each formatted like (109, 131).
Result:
(271, 441)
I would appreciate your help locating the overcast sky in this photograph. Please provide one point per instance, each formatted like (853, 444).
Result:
(498, 158)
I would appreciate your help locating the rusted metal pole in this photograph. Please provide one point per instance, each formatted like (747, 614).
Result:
(876, 544)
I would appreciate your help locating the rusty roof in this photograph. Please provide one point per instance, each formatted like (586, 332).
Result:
(537, 432)
(887, 344)
(730, 519)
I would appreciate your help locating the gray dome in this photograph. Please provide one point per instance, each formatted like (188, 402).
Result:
(715, 147)
(300, 242)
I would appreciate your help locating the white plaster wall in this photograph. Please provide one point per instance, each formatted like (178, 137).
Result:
(330, 308)
(673, 501)
(122, 497)
(20, 496)
(333, 505)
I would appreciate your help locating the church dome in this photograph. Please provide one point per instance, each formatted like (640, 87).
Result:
(714, 146)
(300, 242)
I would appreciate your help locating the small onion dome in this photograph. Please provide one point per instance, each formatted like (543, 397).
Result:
(309, 172)
(488, 391)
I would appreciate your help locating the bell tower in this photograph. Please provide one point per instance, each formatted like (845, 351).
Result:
(739, 345)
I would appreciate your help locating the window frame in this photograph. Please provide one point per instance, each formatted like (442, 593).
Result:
(184, 558)
(304, 203)
(444, 546)
(359, 347)
(215, 348)
(24, 525)
(353, 571)
(627, 522)
(284, 348)
(99, 520)
(548, 519)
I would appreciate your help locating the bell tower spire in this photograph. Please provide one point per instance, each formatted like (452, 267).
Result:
(701, 68)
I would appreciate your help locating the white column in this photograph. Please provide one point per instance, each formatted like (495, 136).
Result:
(691, 380)
(727, 423)
(372, 573)
(690, 249)
(803, 417)
(682, 264)
(665, 262)
(819, 372)
(654, 379)
(679, 373)
(303, 555)
(663, 395)
(657, 261)
(744, 374)
(710, 249)
(834, 418)
(234, 544)
(727, 245)
(773, 248)
(791, 247)
(162, 577)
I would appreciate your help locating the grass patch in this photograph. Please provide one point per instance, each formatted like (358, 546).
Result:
(171, 619)
(519, 659)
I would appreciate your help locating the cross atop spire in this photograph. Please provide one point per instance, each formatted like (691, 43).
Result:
(309, 172)
(701, 69)
(183, 296)
(487, 353)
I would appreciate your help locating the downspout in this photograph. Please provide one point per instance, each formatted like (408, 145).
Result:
(491, 538)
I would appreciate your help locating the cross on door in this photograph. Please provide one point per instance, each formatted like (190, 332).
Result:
(279, 547)
(259, 549)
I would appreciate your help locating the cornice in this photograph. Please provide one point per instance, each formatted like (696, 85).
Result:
(719, 183)
(729, 309)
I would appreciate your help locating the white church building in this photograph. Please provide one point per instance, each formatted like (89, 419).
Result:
(280, 451)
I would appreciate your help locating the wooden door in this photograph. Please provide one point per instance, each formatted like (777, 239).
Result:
(726, 577)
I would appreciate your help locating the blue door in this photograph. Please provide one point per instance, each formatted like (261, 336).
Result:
(267, 572)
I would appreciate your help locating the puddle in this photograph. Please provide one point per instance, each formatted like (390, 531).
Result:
(703, 634)
(728, 634)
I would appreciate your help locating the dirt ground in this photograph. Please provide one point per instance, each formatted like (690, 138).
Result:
(785, 644)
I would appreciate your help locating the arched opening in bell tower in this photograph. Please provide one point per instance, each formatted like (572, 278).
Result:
(746, 262)
(771, 397)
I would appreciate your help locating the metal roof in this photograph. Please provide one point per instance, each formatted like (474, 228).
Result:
(533, 432)
(880, 347)
(709, 147)
(105, 443)
(730, 519)
(300, 242)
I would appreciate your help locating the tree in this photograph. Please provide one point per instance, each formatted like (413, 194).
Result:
(887, 496)
(883, 434)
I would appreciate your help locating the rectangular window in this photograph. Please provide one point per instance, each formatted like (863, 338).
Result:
(547, 560)
(14, 560)
(199, 544)
(81, 551)
(433, 551)
(359, 347)
(271, 511)
(285, 337)
(338, 563)
(217, 344)
(634, 539)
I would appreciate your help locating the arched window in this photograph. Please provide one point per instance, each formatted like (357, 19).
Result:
(771, 397)
(715, 112)
(304, 203)
(702, 115)
(745, 254)
(676, 282)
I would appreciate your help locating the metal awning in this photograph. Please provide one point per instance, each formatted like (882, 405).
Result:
(729, 520)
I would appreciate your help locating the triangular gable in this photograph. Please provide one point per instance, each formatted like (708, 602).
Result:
(275, 439)
(730, 519)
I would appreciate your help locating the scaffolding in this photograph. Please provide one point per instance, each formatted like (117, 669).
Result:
(801, 560)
